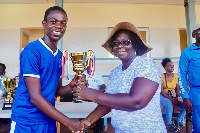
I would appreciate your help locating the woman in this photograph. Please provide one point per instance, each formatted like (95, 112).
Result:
(133, 90)
(170, 93)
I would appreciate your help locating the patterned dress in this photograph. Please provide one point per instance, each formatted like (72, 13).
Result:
(148, 119)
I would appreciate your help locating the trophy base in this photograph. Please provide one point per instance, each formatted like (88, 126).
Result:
(7, 106)
(77, 101)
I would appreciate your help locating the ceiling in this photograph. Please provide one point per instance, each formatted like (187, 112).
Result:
(172, 2)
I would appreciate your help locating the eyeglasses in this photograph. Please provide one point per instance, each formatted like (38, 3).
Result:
(198, 32)
(124, 43)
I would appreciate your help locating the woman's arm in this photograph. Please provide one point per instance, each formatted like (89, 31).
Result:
(177, 91)
(142, 91)
(98, 112)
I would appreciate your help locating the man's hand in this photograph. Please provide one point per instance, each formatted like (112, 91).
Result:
(86, 124)
(74, 81)
(83, 80)
(187, 105)
(75, 125)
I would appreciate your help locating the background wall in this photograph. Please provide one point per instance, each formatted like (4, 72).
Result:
(87, 29)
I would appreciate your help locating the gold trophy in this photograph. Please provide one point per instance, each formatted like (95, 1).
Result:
(80, 61)
(9, 85)
(79, 65)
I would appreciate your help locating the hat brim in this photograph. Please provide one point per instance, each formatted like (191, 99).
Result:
(127, 26)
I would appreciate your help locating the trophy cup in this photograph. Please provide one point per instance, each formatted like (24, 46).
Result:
(80, 61)
(9, 85)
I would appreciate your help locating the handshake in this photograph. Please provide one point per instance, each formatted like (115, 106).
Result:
(77, 126)
(81, 92)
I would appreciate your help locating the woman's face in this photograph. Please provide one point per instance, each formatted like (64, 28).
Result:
(124, 47)
(169, 67)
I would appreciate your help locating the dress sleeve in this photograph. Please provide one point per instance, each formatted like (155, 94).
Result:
(182, 72)
(30, 63)
(148, 69)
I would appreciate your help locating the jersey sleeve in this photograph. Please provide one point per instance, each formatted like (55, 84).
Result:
(30, 61)
(182, 72)
(148, 69)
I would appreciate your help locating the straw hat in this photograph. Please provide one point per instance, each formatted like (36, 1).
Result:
(196, 27)
(127, 26)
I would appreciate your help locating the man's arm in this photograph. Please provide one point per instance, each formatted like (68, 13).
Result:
(63, 90)
(182, 72)
(37, 99)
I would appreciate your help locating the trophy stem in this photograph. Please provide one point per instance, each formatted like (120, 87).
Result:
(9, 98)
(79, 75)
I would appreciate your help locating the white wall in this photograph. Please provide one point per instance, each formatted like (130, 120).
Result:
(87, 28)
(9, 50)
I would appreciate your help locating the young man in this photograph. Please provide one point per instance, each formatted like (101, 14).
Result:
(33, 109)
(189, 66)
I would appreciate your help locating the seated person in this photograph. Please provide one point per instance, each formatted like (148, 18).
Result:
(2, 75)
(169, 94)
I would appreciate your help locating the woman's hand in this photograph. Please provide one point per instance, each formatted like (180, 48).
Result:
(171, 99)
(82, 92)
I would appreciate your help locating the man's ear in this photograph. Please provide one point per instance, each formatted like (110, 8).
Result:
(193, 34)
(43, 23)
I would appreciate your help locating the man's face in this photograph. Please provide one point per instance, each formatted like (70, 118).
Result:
(55, 25)
(2, 71)
(196, 35)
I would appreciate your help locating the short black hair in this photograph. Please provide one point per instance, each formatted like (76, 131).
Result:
(53, 8)
(4, 66)
(165, 61)
(137, 43)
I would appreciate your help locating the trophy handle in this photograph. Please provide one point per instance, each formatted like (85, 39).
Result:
(91, 56)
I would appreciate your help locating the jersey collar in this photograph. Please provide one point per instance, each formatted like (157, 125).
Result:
(54, 53)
